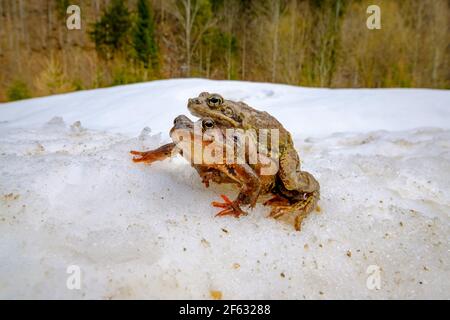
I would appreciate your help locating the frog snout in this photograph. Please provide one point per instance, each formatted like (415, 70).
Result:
(180, 119)
(182, 122)
(194, 101)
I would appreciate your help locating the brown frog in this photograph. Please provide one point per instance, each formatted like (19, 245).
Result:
(233, 114)
(252, 183)
(238, 173)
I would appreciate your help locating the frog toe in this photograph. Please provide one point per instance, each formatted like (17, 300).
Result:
(229, 207)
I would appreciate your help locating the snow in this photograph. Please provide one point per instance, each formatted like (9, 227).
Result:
(69, 195)
(128, 109)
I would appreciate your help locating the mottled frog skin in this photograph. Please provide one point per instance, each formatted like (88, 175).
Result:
(239, 115)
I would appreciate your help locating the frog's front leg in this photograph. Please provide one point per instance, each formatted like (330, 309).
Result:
(249, 192)
(159, 154)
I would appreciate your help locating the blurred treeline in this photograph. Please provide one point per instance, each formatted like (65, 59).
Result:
(322, 43)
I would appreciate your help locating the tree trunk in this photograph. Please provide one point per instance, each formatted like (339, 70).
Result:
(230, 13)
(275, 21)
(244, 54)
(188, 37)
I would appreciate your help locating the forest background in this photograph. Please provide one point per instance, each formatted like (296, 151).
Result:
(314, 43)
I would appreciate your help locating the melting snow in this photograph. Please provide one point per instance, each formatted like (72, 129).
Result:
(70, 195)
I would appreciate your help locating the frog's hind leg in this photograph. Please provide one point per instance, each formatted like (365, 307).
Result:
(163, 152)
(297, 211)
(291, 175)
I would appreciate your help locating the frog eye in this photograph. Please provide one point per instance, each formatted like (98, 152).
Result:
(214, 100)
(208, 124)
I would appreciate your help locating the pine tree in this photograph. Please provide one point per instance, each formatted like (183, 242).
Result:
(110, 33)
(144, 42)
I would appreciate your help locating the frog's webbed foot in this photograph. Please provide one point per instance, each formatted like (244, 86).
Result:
(296, 212)
(229, 208)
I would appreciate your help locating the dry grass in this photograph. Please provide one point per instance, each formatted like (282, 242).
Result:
(303, 45)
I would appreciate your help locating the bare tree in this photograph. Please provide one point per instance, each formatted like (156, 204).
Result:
(272, 13)
(275, 17)
(231, 8)
(244, 54)
(187, 13)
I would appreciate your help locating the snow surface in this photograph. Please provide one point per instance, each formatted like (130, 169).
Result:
(69, 195)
